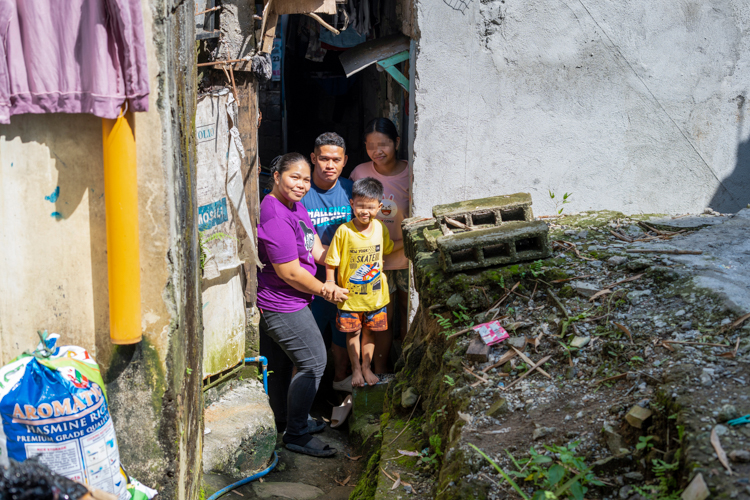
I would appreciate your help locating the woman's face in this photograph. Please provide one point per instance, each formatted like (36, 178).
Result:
(294, 183)
(380, 147)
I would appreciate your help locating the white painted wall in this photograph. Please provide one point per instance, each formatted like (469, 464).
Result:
(634, 105)
(53, 269)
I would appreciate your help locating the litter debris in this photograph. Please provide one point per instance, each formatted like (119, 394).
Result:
(491, 333)
(740, 421)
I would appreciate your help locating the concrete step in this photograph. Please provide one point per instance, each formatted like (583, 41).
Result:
(241, 432)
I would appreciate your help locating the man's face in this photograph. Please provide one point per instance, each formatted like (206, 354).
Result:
(329, 161)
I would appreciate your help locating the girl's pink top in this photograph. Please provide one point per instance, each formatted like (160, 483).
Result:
(73, 56)
(396, 203)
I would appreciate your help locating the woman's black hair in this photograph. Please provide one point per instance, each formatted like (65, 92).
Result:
(384, 126)
(282, 163)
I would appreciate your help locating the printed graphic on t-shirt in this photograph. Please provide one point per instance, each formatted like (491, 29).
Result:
(366, 279)
(390, 208)
(309, 236)
(329, 216)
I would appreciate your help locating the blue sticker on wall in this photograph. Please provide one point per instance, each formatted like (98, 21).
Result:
(212, 215)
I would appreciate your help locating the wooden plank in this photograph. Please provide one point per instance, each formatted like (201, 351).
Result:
(363, 55)
(478, 351)
(305, 6)
(270, 32)
(247, 124)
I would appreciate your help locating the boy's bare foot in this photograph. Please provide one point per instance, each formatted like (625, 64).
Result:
(357, 379)
(370, 377)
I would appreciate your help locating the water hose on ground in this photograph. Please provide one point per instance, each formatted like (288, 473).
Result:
(263, 361)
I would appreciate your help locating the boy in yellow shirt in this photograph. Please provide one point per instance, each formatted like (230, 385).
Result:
(357, 250)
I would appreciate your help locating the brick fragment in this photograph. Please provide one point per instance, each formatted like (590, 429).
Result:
(637, 416)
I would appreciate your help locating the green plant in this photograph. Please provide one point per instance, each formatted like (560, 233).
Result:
(189, 370)
(444, 323)
(643, 443)
(565, 477)
(559, 204)
(462, 318)
(502, 473)
(536, 268)
(439, 413)
(664, 489)
(450, 381)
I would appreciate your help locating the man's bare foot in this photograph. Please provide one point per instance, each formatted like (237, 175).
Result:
(370, 377)
(357, 379)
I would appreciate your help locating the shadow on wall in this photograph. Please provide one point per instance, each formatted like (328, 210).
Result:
(75, 146)
(734, 194)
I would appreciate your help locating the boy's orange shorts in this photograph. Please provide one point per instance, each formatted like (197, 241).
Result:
(353, 321)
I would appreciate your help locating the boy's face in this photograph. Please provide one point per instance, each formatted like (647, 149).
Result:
(365, 209)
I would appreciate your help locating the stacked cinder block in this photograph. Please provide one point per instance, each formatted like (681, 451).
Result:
(480, 233)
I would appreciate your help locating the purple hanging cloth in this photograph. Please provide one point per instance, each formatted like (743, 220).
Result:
(73, 56)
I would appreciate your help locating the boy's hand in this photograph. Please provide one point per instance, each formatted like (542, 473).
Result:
(339, 295)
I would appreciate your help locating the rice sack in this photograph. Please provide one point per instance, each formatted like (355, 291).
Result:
(53, 405)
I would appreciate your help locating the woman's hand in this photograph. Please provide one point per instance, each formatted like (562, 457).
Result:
(340, 295)
(328, 290)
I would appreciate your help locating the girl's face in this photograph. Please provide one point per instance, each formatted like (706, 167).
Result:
(380, 147)
(294, 183)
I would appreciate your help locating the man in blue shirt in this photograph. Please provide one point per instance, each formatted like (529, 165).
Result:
(327, 203)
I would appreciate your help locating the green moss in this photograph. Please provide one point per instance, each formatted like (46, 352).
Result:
(368, 483)
(566, 292)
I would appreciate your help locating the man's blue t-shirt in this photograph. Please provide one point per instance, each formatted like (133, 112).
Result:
(327, 211)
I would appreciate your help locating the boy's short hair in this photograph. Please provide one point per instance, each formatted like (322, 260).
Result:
(330, 139)
(369, 188)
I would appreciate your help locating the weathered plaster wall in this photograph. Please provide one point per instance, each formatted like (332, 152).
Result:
(634, 106)
(53, 268)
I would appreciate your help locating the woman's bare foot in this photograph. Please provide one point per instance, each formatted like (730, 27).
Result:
(370, 377)
(357, 379)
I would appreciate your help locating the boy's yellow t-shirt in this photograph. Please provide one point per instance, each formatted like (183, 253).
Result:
(360, 262)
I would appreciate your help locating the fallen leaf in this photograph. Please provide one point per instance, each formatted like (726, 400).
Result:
(354, 458)
(397, 482)
(599, 294)
(408, 453)
(237, 493)
(719, 450)
(386, 474)
(624, 329)
(465, 417)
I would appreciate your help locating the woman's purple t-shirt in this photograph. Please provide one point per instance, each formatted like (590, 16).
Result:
(283, 235)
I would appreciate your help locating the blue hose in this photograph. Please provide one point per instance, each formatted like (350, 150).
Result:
(247, 479)
(264, 362)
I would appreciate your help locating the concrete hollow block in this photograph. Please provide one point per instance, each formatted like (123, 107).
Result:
(500, 245)
(484, 212)
(413, 230)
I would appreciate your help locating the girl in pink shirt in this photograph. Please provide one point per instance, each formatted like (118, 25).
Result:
(382, 142)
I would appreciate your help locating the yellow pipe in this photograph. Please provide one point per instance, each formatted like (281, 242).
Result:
(121, 202)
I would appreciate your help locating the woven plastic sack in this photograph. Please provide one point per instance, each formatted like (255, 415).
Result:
(53, 405)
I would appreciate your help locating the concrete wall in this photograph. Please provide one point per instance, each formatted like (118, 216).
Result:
(635, 105)
(53, 267)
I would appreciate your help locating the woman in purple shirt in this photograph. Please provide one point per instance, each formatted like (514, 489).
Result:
(289, 337)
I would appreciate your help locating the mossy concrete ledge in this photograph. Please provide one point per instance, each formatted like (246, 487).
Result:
(241, 432)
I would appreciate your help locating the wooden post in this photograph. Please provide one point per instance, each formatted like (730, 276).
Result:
(248, 128)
